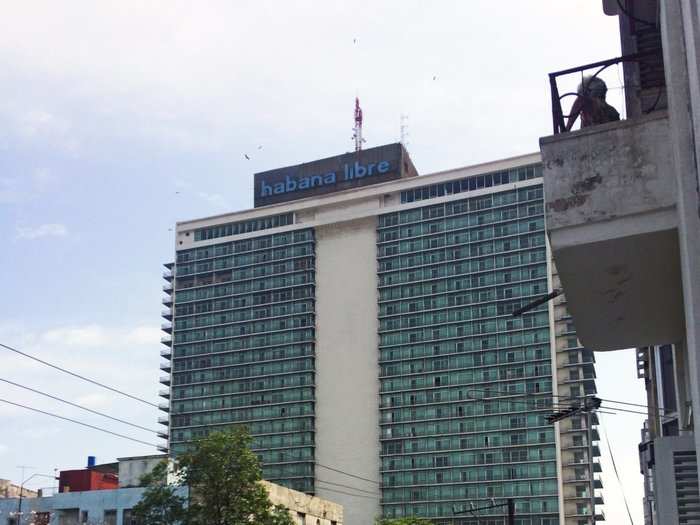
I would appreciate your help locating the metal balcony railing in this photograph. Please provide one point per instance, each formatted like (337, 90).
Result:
(559, 123)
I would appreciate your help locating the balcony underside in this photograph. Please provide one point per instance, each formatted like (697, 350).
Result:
(612, 223)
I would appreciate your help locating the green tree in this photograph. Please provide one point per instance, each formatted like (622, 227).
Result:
(159, 505)
(403, 521)
(224, 478)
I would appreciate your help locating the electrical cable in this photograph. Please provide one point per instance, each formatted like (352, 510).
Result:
(79, 406)
(348, 474)
(617, 475)
(346, 486)
(102, 385)
(79, 423)
(348, 493)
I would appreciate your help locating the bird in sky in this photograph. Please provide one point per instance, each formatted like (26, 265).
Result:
(434, 77)
(259, 147)
(246, 156)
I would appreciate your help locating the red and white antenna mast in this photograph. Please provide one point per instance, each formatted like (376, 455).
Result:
(357, 130)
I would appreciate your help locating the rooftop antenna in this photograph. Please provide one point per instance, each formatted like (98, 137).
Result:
(357, 130)
(404, 131)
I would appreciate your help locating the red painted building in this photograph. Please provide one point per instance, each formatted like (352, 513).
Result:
(100, 477)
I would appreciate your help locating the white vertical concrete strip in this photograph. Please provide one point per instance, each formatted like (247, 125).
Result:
(683, 114)
(347, 376)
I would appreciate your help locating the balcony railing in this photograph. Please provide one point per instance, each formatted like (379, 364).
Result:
(558, 115)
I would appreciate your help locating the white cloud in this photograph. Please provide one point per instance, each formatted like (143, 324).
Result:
(43, 230)
(144, 335)
(94, 401)
(90, 335)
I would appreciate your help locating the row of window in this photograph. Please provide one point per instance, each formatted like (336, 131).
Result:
(244, 371)
(288, 427)
(457, 237)
(467, 374)
(461, 284)
(509, 262)
(480, 404)
(293, 251)
(494, 222)
(472, 183)
(241, 301)
(242, 415)
(244, 357)
(514, 418)
(456, 379)
(475, 279)
(478, 457)
(257, 342)
(423, 437)
(238, 330)
(245, 245)
(524, 510)
(223, 316)
(453, 300)
(436, 253)
(241, 386)
(429, 262)
(248, 400)
(474, 330)
(246, 287)
(247, 273)
(492, 357)
(249, 299)
(237, 228)
(488, 323)
(511, 472)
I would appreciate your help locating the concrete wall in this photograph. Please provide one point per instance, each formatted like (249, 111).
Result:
(131, 469)
(10, 490)
(305, 509)
(347, 384)
(680, 29)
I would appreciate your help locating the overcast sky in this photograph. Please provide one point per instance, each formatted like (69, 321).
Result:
(119, 118)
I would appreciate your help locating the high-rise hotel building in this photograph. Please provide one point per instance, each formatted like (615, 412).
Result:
(359, 322)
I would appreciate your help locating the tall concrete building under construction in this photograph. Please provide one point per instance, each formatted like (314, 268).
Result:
(358, 320)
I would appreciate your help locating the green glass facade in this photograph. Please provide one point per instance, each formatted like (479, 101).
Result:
(243, 349)
(464, 385)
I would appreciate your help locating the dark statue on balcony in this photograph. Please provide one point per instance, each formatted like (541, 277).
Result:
(591, 105)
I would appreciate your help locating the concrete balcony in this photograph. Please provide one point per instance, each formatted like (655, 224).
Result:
(610, 204)
(164, 392)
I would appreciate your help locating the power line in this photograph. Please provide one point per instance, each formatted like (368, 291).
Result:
(348, 474)
(102, 385)
(617, 475)
(78, 406)
(79, 423)
(349, 494)
(346, 486)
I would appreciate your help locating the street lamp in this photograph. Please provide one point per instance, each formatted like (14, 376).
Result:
(21, 493)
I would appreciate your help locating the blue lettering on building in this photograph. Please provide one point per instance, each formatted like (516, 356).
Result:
(352, 171)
